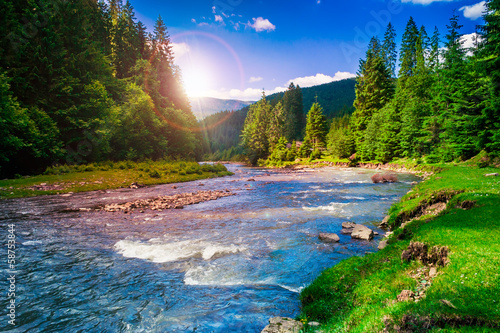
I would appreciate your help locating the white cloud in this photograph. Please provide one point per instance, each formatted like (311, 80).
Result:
(193, 20)
(470, 41)
(424, 2)
(219, 18)
(254, 94)
(475, 11)
(261, 24)
(180, 49)
(213, 10)
(309, 81)
(255, 79)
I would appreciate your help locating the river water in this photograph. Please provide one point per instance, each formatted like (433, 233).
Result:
(219, 266)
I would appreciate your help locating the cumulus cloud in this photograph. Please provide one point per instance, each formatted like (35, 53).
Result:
(255, 79)
(470, 41)
(475, 11)
(254, 94)
(261, 24)
(424, 2)
(309, 81)
(180, 49)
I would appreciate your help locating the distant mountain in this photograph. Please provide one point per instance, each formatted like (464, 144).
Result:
(203, 107)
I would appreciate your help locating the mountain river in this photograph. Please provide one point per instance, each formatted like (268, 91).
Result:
(219, 266)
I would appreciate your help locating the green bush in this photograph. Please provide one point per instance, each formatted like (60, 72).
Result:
(154, 174)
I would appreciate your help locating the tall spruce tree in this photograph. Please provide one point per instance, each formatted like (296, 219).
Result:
(255, 131)
(374, 89)
(316, 127)
(490, 61)
(408, 52)
(389, 52)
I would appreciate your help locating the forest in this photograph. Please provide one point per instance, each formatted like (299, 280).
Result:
(443, 105)
(82, 81)
(223, 130)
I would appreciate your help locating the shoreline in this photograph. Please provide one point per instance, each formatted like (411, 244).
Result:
(448, 198)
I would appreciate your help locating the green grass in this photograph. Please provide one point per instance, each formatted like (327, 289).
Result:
(107, 175)
(356, 295)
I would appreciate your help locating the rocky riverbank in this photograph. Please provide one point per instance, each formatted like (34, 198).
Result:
(177, 201)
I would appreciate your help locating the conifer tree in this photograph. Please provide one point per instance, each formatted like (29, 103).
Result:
(434, 50)
(316, 127)
(389, 52)
(374, 89)
(408, 54)
(255, 131)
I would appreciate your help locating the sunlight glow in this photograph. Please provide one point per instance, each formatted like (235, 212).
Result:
(196, 82)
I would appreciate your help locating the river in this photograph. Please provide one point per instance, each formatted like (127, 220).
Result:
(219, 266)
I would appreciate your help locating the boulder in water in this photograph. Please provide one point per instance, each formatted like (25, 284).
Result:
(329, 238)
(362, 232)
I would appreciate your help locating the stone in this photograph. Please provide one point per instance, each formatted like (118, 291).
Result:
(348, 225)
(406, 295)
(491, 175)
(362, 232)
(432, 272)
(329, 238)
(283, 325)
(382, 244)
(384, 223)
(313, 323)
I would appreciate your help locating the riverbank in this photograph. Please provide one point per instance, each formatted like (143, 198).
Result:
(437, 273)
(107, 175)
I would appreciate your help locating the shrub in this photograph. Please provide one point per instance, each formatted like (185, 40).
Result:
(154, 174)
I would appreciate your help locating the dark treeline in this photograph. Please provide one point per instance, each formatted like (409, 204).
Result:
(443, 106)
(82, 81)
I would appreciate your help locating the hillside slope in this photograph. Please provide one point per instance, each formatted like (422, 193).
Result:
(203, 107)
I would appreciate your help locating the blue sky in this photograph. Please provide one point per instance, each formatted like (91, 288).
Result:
(233, 49)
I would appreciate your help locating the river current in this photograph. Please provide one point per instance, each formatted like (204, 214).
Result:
(219, 266)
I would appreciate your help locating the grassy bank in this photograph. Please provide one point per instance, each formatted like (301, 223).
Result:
(361, 294)
(107, 175)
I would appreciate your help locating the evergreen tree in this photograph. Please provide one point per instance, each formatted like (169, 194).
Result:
(294, 112)
(374, 89)
(276, 129)
(408, 53)
(434, 52)
(316, 127)
(255, 131)
(490, 61)
(389, 52)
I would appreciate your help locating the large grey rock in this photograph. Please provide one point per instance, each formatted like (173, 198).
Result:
(329, 238)
(282, 325)
(362, 232)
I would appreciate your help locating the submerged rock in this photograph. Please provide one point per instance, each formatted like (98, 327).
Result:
(329, 238)
(283, 325)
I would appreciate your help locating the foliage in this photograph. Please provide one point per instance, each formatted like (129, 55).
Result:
(316, 127)
(69, 82)
(361, 292)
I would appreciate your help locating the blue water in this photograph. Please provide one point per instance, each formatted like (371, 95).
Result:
(219, 266)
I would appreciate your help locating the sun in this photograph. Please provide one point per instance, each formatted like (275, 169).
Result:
(196, 82)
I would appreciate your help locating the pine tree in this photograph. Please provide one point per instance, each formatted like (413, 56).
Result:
(276, 128)
(374, 89)
(490, 53)
(408, 54)
(255, 131)
(316, 127)
(294, 112)
(434, 52)
(389, 52)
